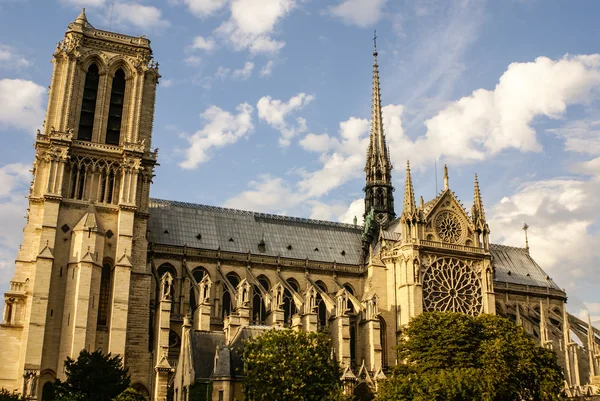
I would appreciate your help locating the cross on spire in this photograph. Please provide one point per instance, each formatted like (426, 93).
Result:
(375, 41)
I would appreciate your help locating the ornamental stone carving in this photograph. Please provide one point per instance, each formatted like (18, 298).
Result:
(448, 227)
(451, 284)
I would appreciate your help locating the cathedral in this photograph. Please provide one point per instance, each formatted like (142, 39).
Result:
(174, 287)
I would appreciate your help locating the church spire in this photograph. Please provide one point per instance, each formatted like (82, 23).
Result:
(409, 194)
(378, 190)
(477, 211)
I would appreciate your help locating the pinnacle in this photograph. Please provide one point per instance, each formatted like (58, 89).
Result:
(81, 18)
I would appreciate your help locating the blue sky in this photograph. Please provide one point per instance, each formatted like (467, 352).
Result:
(265, 105)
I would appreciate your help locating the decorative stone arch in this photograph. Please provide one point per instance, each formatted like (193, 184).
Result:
(320, 305)
(93, 56)
(168, 268)
(46, 384)
(120, 62)
(259, 303)
(228, 299)
(290, 308)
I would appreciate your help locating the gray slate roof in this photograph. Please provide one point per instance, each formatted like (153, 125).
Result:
(178, 223)
(203, 345)
(515, 265)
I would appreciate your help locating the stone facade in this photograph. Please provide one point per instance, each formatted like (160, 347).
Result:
(175, 288)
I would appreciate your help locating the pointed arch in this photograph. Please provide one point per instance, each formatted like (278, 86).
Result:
(88, 103)
(198, 274)
(289, 306)
(168, 268)
(115, 110)
(227, 305)
(103, 298)
(259, 306)
(321, 307)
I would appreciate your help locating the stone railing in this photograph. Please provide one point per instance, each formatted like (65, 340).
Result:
(453, 247)
(17, 287)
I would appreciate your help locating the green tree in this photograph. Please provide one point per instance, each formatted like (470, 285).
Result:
(453, 356)
(6, 395)
(130, 394)
(93, 377)
(292, 366)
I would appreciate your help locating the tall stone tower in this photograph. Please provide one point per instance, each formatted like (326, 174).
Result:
(81, 279)
(379, 192)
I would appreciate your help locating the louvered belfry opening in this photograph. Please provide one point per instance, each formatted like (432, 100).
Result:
(115, 111)
(88, 104)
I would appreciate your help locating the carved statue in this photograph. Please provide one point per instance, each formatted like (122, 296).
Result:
(205, 286)
(166, 283)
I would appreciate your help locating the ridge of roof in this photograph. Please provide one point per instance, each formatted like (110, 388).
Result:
(516, 248)
(166, 202)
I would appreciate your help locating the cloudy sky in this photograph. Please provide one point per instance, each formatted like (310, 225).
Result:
(265, 105)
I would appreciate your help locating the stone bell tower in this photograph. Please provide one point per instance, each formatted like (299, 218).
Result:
(81, 279)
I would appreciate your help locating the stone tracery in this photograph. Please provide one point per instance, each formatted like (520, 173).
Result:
(451, 285)
(448, 227)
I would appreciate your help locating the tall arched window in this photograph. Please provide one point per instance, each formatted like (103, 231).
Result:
(198, 273)
(289, 306)
(88, 104)
(164, 268)
(228, 306)
(104, 295)
(115, 111)
(321, 308)
(383, 341)
(259, 308)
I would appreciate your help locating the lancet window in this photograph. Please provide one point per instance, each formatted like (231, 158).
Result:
(320, 304)
(103, 299)
(198, 274)
(115, 110)
(259, 307)
(227, 300)
(93, 179)
(88, 104)
(289, 306)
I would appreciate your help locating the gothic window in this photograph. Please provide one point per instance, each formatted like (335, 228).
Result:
(350, 290)
(321, 308)
(198, 274)
(449, 284)
(78, 176)
(259, 308)
(88, 104)
(380, 197)
(448, 227)
(104, 295)
(164, 268)
(383, 341)
(107, 186)
(289, 306)
(228, 306)
(115, 111)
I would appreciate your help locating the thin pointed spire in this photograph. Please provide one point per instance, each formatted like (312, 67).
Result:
(477, 211)
(446, 186)
(409, 193)
(378, 167)
(525, 228)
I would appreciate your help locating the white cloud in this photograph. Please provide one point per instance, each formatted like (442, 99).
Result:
(222, 72)
(489, 121)
(166, 83)
(202, 43)
(275, 112)
(14, 184)
(10, 59)
(264, 195)
(22, 104)
(356, 209)
(582, 136)
(193, 61)
(221, 128)
(561, 214)
(267, 69)
(244, 72)
(252, 23)
(362, 13)
(204, 8)
(139, 16)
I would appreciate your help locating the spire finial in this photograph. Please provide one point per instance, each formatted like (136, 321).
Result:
(446, 186)
(409, 194)
(81, 18)
(375, 42)
(525, 228)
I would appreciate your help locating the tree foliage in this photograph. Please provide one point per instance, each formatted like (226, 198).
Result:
(6, 395)
(453, 356)
(292, 366)
(130, 394)
(93, 377)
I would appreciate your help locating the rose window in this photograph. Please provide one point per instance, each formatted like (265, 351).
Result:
(450, 285)
(448, 227)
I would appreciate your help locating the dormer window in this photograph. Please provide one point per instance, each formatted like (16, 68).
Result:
(88, 104)
(115, 111)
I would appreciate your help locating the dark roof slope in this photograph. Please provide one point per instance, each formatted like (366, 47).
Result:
(209, 227)
(203, 345)
(515, 265)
